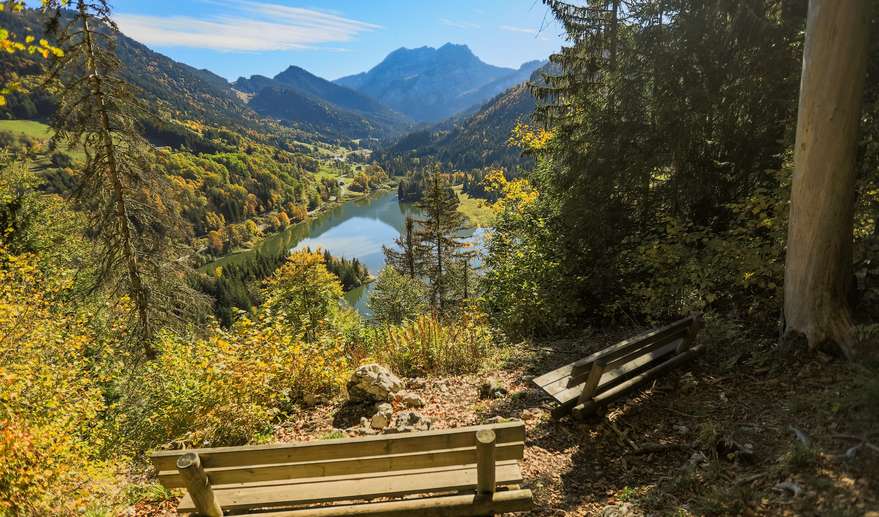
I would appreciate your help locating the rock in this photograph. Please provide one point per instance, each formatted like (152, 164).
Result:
(789, 486)
(382, 417)
(416, 383)
(409, 399)
(681, 429)
(411, 421)
(373, 382)
(492, 388)
(620, 510)
(697, 460)
(311, 400)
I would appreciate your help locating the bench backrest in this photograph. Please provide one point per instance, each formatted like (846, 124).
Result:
(385, 453)
(629, 349)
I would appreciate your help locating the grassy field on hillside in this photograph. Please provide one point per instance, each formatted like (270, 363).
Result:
(477, 211)
(28, 127)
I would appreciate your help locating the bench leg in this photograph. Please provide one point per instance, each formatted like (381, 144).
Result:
(197, 484)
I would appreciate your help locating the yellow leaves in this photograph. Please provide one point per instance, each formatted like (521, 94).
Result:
(530, 138)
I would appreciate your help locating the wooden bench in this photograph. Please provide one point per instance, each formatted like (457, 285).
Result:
(463, 471)
(583, 386)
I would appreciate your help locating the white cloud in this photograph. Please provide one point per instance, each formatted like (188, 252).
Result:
(510, 28)
(244, 26)
(538, 34)
(458, 25)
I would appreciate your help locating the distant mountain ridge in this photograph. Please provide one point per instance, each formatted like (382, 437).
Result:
(429, 84)
(300, 97)
(474, 141)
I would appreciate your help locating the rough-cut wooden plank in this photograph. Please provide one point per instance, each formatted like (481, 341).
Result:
(507, 432)
(350, 488)
(197, 486)
(446, 506)
(416, 460)
(570, 397)
(612, 375)
(588, 389)
(634, 383)
(563, 385)
(614, 351)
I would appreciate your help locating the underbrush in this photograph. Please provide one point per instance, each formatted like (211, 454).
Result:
(79, 408)
(429, 346)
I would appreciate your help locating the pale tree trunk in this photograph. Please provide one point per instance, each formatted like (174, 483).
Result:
(819, 247)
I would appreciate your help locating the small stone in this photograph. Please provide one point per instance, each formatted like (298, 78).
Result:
(416, 383)
(382, 416)
(492, 388)
(696, 460)
(412, 421)
(681, 429)
(619, 510)
(410, 399)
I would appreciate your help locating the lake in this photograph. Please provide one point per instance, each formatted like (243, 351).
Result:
(355, 229)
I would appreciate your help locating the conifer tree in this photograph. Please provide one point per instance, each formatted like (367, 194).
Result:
(435, 237)
(132, 214)
(405, 261)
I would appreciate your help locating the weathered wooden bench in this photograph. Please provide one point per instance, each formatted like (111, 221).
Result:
(583, 386)
(463, 471)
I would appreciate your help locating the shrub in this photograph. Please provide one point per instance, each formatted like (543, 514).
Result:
(226, 389)
(427, 345)
(50, 400)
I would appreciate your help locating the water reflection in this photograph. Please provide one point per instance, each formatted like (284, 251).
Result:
(357, 229)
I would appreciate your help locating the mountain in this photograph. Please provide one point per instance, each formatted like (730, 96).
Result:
(299, 97)
(430, 85)
(173, 89)
(310, 107)
(469, 142)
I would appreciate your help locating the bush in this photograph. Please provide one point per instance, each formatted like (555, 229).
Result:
(227, 389)
(426, 345)
(51, 439)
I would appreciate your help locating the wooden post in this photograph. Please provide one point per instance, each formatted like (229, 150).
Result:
(485, 461)
(692, 331)
(198, 485)
(592, 381)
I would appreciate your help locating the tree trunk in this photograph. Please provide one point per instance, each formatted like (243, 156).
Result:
(819, 248)
(137, 290)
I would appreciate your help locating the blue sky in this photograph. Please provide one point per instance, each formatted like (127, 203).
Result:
(333, 38)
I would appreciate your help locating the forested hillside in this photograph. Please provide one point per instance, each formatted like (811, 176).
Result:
(480, 140)
(301, 98)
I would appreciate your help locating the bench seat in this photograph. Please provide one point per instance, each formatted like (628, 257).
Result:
(461, 471)
(351, 488)
(585, 385)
